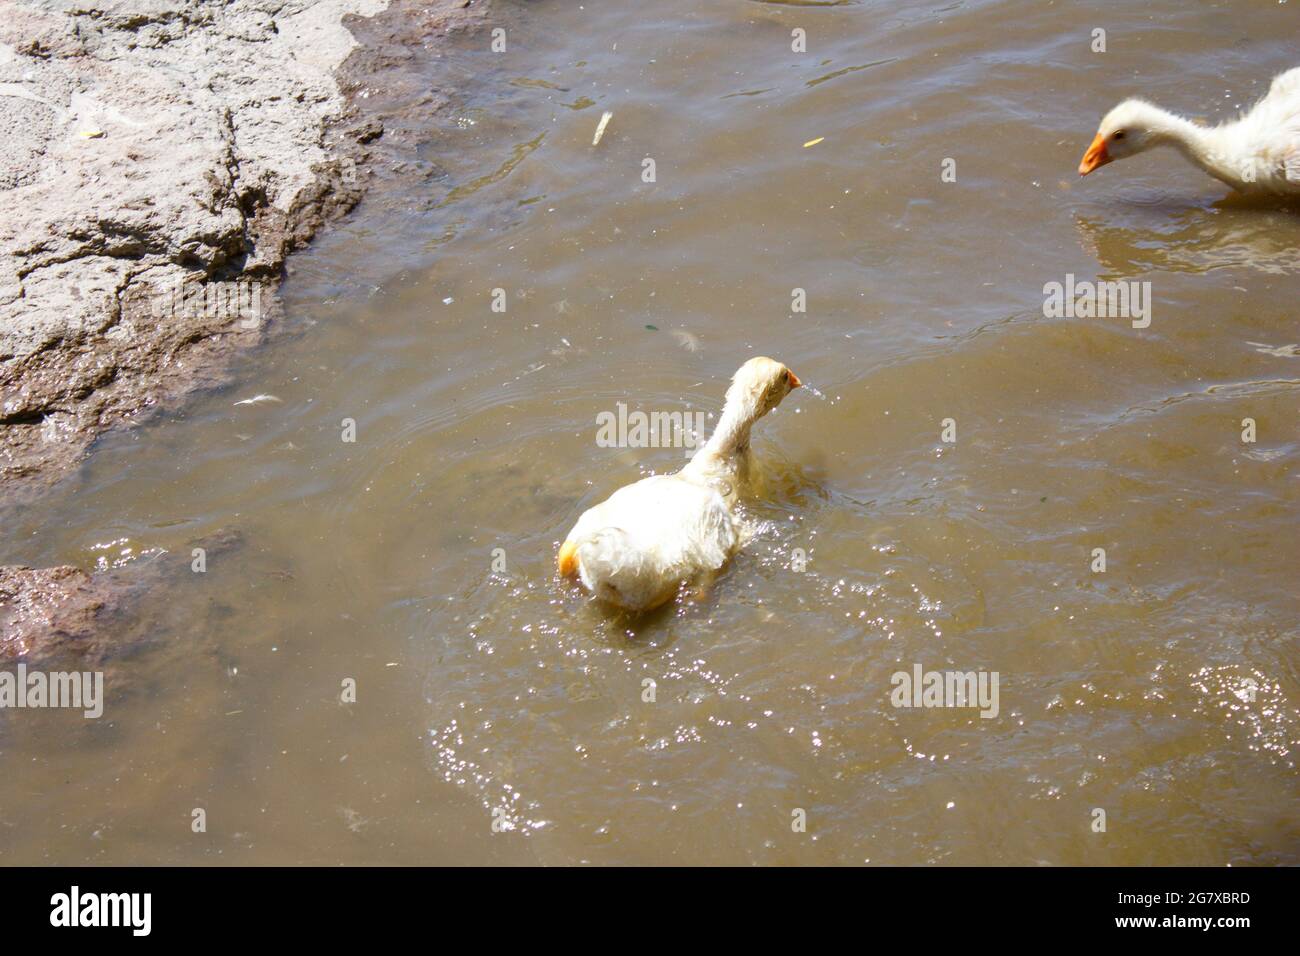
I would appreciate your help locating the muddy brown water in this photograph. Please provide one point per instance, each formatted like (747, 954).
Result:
(1163, 691)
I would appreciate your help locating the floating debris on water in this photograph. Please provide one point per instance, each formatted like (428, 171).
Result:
(813, 142)
(600, 127)
(259, 400)
(687, 340)
(1281, 351)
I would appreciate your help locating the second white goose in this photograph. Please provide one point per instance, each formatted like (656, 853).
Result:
(1259, 153)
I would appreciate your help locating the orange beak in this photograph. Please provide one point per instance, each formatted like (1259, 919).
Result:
(567, 560)
(794, 379)
(1095, 156)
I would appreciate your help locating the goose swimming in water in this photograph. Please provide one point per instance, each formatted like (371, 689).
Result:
(637, 547)
(1257, 154)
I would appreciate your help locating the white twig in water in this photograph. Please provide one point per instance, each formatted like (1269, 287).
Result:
(600, 127)
(259, 399)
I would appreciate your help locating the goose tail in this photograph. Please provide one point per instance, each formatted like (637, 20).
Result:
(614, 570)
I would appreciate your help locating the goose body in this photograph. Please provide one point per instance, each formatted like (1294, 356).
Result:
(1258, 153)
(638, 546)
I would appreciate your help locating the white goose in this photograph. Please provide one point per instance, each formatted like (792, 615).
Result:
(636, 547)
(1259, 153)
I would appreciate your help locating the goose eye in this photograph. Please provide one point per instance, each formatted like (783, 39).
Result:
(1119, 134)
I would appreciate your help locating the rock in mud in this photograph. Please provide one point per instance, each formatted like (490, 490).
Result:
(41, 607)
(64, 613)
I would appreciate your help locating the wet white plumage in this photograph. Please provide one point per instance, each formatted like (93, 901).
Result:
(638, 546)
(1258, 153)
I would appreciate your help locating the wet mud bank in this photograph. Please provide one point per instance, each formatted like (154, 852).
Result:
(161, 161)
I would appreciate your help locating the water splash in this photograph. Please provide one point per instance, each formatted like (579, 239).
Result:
(812, 390)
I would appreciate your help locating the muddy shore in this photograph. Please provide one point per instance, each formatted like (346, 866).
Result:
(161, 160)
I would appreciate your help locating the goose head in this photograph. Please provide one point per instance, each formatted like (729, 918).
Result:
(758, 387)
(1130, 128)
